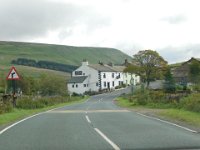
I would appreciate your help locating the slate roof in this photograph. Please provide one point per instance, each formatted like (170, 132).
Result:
(107, 68)
(79, 79)
(156, 85)
(119, 68)
(103, 68)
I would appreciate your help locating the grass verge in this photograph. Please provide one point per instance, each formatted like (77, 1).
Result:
(172, 114)
(191, 118)
(18, 114)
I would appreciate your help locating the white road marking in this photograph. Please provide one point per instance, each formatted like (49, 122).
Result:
(48, 111)
(107, 139)
(168, 123)
(90, 111)
(5, 129)
(66, 106)
(100, 100)
(87, 118)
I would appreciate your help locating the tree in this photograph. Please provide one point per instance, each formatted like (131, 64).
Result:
(28, 85)
(148, 64)
(169, 84)
(194, 72)
(52, 85)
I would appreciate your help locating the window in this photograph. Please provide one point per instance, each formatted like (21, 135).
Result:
(113, 83)
(73, 86)
(78, 72)
(97, 84)
(104, 75)
(118, 76)
(76, 85)
(84, 85)
(113, 75)
(104, 84)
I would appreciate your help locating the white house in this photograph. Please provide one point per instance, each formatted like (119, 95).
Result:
(96, 77)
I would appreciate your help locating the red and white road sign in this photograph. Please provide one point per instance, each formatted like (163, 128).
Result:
(13, 75)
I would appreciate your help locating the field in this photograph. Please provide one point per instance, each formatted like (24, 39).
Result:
(58, 53)
(180, 116)
(32, 72)
(55, 53)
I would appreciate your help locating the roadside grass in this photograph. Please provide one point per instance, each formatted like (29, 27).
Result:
(18, 114)
(124, 102)
(192, 118)
(166, 111)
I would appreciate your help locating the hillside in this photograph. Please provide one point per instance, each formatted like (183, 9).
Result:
(58, 53)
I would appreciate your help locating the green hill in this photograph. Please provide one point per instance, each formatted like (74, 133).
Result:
(58, 53)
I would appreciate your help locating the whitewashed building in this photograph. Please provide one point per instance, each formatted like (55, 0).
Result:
(96, 77)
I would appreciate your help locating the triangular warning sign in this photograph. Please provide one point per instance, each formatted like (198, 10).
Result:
(13, 75)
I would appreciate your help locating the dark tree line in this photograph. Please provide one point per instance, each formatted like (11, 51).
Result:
(44, 64)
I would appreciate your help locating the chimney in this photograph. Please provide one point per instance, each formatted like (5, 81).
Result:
(126, 62)
(100, 63)
(85, 62)
(110, 64)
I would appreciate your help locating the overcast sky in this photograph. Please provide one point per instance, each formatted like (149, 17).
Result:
(172, 27)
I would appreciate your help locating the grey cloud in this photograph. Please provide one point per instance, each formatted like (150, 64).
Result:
(175, 19)
(34, 18)
(180, 54)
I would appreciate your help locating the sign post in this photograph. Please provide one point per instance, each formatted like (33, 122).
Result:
(132, 84)
(13, 75)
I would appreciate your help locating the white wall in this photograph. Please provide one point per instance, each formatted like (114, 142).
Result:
(92, 79)
(127, 78)
(80, 89)
(109, 78)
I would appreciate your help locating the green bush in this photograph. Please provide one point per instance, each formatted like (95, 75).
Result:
(196, 87)
(191, 103)
(142, 96)
(5, 107)
(157, 96)
(30, 103)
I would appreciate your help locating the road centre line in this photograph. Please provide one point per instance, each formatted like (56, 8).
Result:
(67, 105)
(51, 110)
(185, 128)
(107, 139)
(87, 118)
(91, 111)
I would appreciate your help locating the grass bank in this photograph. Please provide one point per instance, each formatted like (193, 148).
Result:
(164, 111)
(18, 114)
(191, 118)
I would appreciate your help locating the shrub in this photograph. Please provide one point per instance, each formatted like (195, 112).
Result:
(157, 96)
(30, 103)
(191, 103)
(142, 96)
(5, 107)
(75, 94)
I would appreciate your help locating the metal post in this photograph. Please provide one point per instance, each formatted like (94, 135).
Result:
(132, 84)
(14, 92)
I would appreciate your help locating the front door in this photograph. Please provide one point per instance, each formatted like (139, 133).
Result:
(108, 85)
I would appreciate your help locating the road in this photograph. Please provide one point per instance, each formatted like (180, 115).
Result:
(96, 124)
